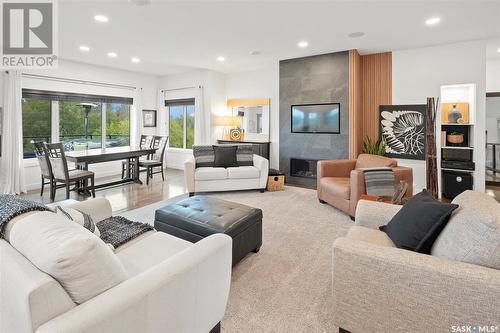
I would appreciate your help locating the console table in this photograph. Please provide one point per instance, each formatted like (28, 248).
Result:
(259, 148)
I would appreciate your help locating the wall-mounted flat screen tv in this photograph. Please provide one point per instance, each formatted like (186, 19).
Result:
(316, 118)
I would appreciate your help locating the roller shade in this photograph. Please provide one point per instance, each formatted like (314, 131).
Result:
(182, 101)
(71, 97)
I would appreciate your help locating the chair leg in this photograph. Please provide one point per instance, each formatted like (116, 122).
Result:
(92, 184)
(148, 175)
(123, 171)
(67, 190)
(43, 185)
(162, 173)
(52, 190)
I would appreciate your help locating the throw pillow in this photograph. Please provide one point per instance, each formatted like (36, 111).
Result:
(79, 217)
(244, 155)
(204, 156)
(473, 233)
(416, 226)
(225, 156)
(76, 258)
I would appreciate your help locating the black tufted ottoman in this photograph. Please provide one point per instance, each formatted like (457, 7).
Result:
(199, 216)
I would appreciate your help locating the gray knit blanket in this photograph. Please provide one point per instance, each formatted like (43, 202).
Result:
(12, 206)
(117, 230)
(379, 181)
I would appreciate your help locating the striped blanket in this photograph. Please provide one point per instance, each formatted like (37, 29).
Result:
(12, 206)
(379, 181)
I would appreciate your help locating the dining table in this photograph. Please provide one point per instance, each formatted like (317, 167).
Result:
(83, 158)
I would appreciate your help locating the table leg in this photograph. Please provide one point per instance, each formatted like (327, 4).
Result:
(136, 171)
(127, 168)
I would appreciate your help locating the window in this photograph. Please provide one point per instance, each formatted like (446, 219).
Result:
(80, 125)
(117, 124)
(37, 115)
(78, 121)
(181, 123)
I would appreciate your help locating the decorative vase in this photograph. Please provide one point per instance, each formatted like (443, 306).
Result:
(454, 114)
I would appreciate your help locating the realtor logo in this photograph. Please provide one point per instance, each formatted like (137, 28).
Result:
(29, 34)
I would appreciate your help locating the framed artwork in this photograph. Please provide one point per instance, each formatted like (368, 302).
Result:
(455, 113)
(149, 118)
(403, 129)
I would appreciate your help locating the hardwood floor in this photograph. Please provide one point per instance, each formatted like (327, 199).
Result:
(130, 196)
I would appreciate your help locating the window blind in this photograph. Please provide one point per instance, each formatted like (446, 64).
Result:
(72, 97)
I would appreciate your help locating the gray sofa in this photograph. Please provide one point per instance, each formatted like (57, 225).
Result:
(380, 288)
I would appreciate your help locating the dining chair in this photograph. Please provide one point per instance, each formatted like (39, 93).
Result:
(156, 159)
(61, 173)
(146, 141)
(44, 163)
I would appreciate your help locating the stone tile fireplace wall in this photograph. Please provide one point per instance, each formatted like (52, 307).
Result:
(313, 80)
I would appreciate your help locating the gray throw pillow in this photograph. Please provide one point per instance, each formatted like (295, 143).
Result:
(225, 156)
(473, 233)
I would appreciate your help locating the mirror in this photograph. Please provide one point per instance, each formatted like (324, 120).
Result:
(254, 117)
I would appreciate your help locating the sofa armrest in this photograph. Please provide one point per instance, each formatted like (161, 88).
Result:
(99, 208)
(262, 164)
(373, 214)
(185, 293)
(382, 289)
(335, 168)
(189, 168)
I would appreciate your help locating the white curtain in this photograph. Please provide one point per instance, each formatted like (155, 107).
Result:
(136, 115)
(201, 119)
(11, 163)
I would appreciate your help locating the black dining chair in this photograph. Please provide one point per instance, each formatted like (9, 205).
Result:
(145, 143)
(61, 173)
(156, 159)
(44, 163)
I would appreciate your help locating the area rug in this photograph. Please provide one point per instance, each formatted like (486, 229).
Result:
(286, 287)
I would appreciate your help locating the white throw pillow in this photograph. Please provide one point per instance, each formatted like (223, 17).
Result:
(79, 260)
(79, 217)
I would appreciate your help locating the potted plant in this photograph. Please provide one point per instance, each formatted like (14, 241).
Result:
(374, 147)
(455, 138)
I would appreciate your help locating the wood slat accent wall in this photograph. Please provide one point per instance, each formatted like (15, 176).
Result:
(355, 110)
(376, 89)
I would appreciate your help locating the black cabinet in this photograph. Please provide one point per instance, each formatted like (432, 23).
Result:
(259, 148)
(456, 182)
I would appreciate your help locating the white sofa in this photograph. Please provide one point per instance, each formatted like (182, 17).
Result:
(212, 179)
(172, 286)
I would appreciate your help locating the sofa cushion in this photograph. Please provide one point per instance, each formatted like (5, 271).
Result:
(473, 233)
(150, 251)
(78, 217)
(244, 155)
(210, 173)
(416, 225)
(337, 186)
(369, 235)
(225, 156)
(80, 261)
(371, 161)
(244, 172)
(204, 156)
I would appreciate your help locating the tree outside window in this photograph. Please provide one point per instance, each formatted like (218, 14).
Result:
(181, 124)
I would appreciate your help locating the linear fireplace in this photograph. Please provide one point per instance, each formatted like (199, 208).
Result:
(303, 168)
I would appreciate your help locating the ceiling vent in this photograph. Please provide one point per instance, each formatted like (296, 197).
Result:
(141, 2)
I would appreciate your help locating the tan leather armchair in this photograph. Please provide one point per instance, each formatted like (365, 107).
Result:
(341, 183)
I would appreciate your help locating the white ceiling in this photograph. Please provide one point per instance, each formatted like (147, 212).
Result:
(177, 36)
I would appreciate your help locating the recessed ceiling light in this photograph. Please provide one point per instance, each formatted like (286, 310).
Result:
(302, 44)
(136, 60)
(356, 34)
(84, 48)
(101, 18)
(255, 53)
(112, 54)
(498, 50)
(433, 21)
(221, 58)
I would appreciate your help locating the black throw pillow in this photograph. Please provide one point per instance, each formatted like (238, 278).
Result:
(416, 226)
(225, 156)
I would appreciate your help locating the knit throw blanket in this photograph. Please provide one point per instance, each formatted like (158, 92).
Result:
(12, 206)
(117, 230)
(379, 181)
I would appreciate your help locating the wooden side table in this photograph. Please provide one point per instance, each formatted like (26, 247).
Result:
(275, 180)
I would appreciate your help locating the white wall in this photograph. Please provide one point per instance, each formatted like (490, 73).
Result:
(262, 83)
(493, 75)
(85, 72)
(419, 73)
